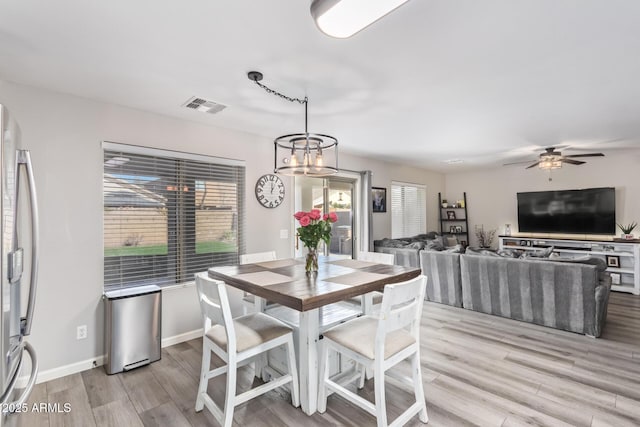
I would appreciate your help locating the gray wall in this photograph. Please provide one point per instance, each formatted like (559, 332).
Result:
(64, 133)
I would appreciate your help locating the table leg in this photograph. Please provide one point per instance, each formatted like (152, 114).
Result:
(308, 350)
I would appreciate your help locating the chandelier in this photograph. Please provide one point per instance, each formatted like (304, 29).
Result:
(312, 154)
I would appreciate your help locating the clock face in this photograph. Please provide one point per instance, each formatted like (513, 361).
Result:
(270, 191)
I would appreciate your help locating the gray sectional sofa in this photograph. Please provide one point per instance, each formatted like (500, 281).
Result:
(565, 294)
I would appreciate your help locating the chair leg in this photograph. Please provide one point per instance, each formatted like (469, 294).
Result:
(204, 370)
(230, 394)
(264, 375)
(417, 384)
(293, 370)
(323, 377)
(381, 402)
(363, 373)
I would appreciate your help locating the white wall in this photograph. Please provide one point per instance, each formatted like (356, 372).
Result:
(64, 134)
(382, 175)
(491, 194)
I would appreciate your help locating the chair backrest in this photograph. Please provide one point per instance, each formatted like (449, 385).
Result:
(401, 308)
(377, 257)
(257, 257)
(214, 304)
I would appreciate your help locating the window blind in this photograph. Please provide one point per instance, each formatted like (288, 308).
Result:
(168, 215)
(408, 209)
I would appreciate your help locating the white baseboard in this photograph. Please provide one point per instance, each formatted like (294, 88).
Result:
(176, 339)
(73, 368)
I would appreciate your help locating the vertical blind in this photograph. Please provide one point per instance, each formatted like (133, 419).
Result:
(168, 215)
(408, 209)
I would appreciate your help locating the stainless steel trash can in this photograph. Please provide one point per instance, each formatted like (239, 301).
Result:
(132, 327)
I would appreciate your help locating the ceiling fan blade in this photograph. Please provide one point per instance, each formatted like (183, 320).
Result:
(521, 162)
(573, 162)
(533, 165)
(586, 155)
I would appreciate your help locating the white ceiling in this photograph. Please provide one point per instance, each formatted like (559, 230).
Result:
(487, 82)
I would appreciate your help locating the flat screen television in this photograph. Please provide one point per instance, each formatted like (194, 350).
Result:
(588, 211)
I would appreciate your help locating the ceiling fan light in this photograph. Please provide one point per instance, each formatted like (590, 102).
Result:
(550, 163)
(344, 18)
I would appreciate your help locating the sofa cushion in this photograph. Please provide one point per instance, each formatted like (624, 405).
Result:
(510, 253)
(481, 252)
(434, 245)
(538, 253)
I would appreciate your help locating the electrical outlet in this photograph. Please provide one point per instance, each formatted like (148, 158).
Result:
(81, 332)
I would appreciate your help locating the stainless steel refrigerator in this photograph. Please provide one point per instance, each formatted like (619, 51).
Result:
(19, 249)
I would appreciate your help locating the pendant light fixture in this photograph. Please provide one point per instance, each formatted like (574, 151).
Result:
(344, 18)
(311, 154)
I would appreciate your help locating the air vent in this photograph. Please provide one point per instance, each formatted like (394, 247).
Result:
(203, 105)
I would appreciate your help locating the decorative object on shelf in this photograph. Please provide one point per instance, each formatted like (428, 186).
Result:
(452, 229)
(379, 197)
(444, 203)
(270, 191)
(312, 154)
(458, 229)
(615, 278)
(485, 238)
(344, 18)
(507, 229)
(613, 261)
(461, 203)
(627, 230)
(451, 215)
(314, 227)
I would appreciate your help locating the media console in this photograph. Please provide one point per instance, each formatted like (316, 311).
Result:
(622, 258)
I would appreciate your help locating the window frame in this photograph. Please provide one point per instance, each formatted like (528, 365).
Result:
(174, 267)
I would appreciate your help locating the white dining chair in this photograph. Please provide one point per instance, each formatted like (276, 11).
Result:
(374, 298)
(237, 342)
(381, 343)
(248, 301)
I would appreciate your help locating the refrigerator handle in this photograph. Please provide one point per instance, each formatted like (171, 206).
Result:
(29, 387)
(24, 158)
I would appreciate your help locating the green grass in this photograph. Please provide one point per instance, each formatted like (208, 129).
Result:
(211, 247)
(201, 248)
(136, 250)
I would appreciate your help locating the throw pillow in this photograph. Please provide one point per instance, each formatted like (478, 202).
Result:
(538, 253)
(510, 253)
(415, 245)
(457, 249)
(481, 252)
(434, 245)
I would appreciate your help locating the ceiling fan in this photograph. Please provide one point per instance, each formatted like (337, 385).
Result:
(552, 159)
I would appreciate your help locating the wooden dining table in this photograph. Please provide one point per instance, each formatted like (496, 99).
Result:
(285, 282)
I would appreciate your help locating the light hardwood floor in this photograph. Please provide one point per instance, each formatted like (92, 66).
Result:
(477, 370)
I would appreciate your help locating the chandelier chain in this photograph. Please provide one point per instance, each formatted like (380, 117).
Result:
(275, 92)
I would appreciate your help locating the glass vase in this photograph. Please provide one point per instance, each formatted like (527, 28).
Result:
(311, 264)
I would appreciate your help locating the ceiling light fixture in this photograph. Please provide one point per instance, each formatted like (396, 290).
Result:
(550, 161)
(311, 154)
(344, 18)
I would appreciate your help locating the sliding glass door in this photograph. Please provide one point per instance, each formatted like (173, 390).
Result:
(337, 194)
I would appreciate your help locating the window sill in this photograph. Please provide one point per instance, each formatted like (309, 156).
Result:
(179, 286)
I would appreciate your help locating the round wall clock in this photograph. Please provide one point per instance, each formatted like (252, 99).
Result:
(270, 191)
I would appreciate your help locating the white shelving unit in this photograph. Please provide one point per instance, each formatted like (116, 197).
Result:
(623, 258)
